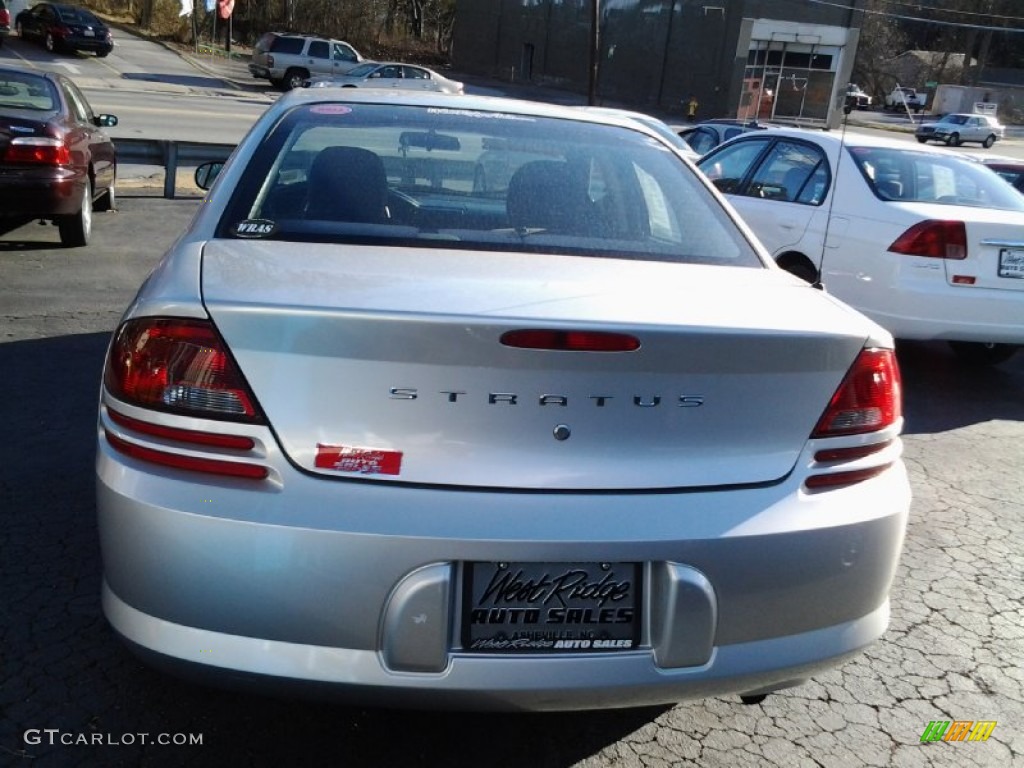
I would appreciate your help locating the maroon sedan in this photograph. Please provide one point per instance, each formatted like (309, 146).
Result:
(56, 162)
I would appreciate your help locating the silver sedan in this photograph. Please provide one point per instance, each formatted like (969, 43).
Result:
(566, 441)
(374, 74)
(955, 129)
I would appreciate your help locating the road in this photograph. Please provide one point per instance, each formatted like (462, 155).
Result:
(153, 91)
(953, 651)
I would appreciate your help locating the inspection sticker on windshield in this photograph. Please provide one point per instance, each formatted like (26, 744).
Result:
(1011, 263)
(360, 461)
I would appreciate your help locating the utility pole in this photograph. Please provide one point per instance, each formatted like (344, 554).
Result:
(595, 50)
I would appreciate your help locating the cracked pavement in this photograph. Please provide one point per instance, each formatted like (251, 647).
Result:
(953, 652)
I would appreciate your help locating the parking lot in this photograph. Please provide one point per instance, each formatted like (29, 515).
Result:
(71, 694)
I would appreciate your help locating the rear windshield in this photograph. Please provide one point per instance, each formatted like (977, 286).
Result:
(77, 16)
(26, 91)
(455, 178)
(287, 45)
(927, 177)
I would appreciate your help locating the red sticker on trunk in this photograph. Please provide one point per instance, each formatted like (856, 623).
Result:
(363, 461)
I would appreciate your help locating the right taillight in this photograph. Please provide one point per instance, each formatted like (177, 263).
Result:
(179, 366)
(869, 399)
(933, 239)
(37, 150)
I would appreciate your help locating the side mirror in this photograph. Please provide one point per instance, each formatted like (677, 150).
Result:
(207, 173)
(106, 121)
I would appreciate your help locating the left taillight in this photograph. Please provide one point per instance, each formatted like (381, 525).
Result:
(933, 239)
(178, 366)
(37, 150)
(868, 400)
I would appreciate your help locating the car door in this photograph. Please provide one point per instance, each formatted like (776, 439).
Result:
(388, 76)
(34, 21)
(91, 139)
(778, 186)
(343, 58)
(318, 58)
(417, 79)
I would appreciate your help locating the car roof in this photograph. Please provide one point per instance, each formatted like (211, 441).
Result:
(832, 142)
(461, 102)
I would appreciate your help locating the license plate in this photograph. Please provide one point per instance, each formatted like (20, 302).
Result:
(551, 607)
(89, 33)
(1011, 263)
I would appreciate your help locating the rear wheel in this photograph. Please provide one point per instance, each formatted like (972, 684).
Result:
(294, 78)
(921, 140)
(76, 228)
(799, 266)
(953, 140)
(978, 353)
(103, 53)
(989, 141)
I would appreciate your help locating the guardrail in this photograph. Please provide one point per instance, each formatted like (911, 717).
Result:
(169, 154)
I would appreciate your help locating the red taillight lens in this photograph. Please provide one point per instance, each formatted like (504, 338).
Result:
(37, 150)
(869, 399)
(570, 341)
(934, 239)
(180, 366)
(5, 17)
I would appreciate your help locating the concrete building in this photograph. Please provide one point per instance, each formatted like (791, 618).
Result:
(786, 60)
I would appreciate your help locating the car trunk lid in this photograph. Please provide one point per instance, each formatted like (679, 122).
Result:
(388, 364)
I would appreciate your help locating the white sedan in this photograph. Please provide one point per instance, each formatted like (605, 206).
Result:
(927, 243)
(388, 74)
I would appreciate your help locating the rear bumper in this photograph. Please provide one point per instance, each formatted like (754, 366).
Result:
(953, 313)
(259, 72)
(358, 587)
(509, 683)
(87, 44)
(30, 195)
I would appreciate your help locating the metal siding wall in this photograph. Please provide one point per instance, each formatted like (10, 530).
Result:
(654, 54)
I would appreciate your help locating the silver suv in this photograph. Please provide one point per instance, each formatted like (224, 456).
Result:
(288, 60)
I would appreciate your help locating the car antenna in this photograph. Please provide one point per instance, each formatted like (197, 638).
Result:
(818, 283)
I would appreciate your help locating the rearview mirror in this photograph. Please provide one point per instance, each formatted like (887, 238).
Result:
(429, 140)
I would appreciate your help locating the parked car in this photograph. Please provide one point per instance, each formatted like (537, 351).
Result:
(708, 134)
(289, 60)
(658, 126)
(902, 98)
(58, 164)
(5, 22)
(1009, 168)
(577, 445)
(62, 27)
(856, 98)
(924, 241)
(389, 74)
(956, 128)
